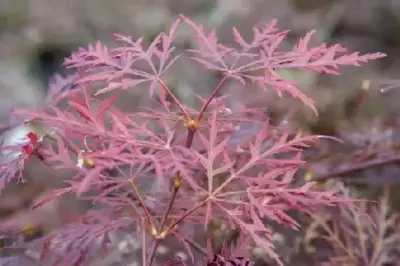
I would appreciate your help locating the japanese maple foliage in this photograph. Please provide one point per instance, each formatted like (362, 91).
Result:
(169, 166)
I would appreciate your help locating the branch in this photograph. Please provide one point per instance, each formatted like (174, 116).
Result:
(180, 106)
(209, 99)
(358, 167)
(153, 229)
(161, 233)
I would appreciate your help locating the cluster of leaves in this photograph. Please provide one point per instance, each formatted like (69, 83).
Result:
(169, 165)
(351, 237)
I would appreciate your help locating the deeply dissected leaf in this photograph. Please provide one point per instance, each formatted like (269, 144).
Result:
(129, 164)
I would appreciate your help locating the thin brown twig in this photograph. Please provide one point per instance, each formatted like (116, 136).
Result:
(177, 185)
(161, 233)
(209, 99)
(341, 172)
(144, 250)
(153, 251)
(190, 136)
(153, 229)
(177, 102)
(192, 125)
(171, 227)
(180, 219)
(196, 246)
